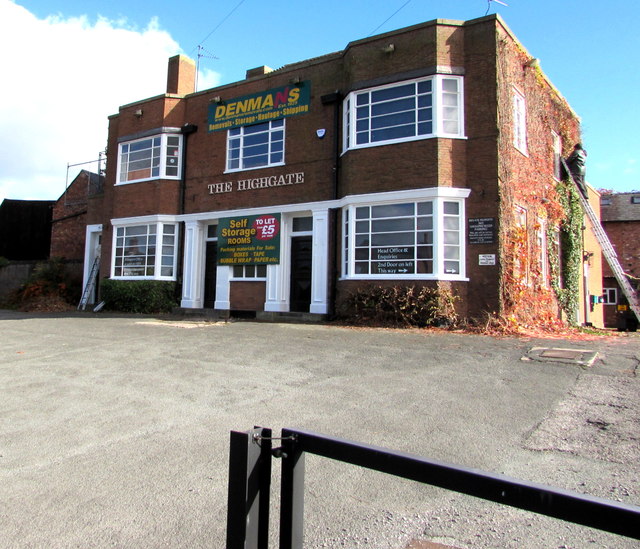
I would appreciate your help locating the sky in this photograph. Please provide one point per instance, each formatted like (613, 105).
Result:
(67, 65)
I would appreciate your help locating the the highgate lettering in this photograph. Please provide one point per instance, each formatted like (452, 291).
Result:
(296, 178)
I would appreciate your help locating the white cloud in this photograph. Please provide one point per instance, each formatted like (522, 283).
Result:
(61, 79)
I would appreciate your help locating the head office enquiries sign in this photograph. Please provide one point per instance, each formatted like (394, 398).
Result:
(249, 240)
(260, 107)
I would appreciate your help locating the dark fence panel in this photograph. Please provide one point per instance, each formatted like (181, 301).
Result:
(605, 515)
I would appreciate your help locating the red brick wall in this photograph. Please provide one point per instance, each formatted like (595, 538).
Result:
(247, 296)
(485, 162)
(69, 220)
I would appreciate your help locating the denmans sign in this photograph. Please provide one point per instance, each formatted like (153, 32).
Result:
(260, 107)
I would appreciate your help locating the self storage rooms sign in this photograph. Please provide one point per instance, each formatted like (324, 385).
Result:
(249, 240)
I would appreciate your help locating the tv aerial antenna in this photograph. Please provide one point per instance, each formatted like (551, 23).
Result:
(497, 2)
(202, 53)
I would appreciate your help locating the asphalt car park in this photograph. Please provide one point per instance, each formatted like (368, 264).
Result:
(114, 430)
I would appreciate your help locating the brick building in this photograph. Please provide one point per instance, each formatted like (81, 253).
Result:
(69, 218)
(25, 229)
(427, 155)
(621, 221)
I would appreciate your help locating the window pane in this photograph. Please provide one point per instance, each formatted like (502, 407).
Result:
(450, 223)
(386, 94)
(393, 210)
(452, 267)
(301, 224)
(451, 208)
(392, 239)
(450, 85)
(362, 226)
(392, 225)
(399, 132)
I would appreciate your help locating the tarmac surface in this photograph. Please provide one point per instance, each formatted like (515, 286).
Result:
(114, 430)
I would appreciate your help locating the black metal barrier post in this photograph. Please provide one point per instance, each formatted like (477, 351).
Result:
(249, 485)
(609, 516)
(291, 493)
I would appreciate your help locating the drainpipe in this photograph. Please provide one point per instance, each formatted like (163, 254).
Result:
(186, 130)
(335, 98)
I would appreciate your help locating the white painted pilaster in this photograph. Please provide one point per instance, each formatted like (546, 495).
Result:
(223, 288)
(192, 279)
(320, 263)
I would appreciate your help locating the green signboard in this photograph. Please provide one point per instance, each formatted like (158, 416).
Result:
(249, 240)
(260, 107)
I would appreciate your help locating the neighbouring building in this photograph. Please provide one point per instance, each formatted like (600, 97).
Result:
(25, 229)
(621, 220)
(69, 217)
(427, 155)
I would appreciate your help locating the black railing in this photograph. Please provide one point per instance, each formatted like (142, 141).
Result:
(250, 478)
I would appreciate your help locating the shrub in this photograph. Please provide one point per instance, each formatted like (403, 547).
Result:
(50, 283)
(138, 296)
(400, 306)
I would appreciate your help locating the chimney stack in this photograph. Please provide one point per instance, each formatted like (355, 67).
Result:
(181, 75)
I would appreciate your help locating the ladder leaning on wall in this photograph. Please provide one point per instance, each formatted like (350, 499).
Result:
(91, 284)
(607, 248)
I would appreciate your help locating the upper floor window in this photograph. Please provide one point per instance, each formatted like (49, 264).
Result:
(417, 109)
(256, 146)
(155, 157)
(557, 156)
(145, 251)
(519, 122)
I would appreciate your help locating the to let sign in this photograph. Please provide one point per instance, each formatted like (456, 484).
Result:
(249, 240)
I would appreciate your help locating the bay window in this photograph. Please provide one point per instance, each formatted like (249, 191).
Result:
(405, 111)
(412, 239)
(153, 157)
(145, 251)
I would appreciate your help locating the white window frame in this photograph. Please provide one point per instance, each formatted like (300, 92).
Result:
(248, 273)
(519, 121)
(557, 155)
(543, 257)
(166, 157)
(164, 245)
(438, 245)
(242, 136)
(442, 101)
(610, 296)
(521, 264)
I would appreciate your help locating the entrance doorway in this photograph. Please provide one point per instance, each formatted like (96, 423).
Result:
(210, 270)
(300, 286)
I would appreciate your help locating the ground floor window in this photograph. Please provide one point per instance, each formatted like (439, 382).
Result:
(610, 296)
(145, 251)
(250, 272)
(413, 239)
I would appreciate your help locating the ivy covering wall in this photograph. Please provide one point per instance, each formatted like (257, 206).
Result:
(532, 292)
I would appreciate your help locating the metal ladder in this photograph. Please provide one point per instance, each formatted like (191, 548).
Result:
(91, 284)
(607, 248)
